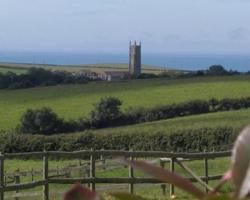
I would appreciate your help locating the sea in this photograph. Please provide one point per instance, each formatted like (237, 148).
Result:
(179, 61)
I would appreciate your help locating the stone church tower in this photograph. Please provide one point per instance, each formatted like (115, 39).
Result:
(134, 59)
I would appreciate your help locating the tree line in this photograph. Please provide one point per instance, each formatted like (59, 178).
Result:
(42, 77)
(214, 70)
(107, 113)
(38, 77)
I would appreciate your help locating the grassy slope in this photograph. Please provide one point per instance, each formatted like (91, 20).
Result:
(235, 119)
(73, 68)
(15, 70)
(72, 101)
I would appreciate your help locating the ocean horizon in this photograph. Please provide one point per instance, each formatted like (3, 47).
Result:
(179, 61)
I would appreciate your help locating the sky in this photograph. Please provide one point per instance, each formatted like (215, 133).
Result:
(163, 26)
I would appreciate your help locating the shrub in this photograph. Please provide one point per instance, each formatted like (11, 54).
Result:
(217, 70)
(134, 115)
(41, 121)
(106, 112)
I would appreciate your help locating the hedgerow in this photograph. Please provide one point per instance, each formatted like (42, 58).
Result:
(107, 113)
(191, 140)
(38, 77)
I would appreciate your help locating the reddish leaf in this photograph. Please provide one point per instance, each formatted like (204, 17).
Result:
(78, 192)
(226, 177)
(167, 176)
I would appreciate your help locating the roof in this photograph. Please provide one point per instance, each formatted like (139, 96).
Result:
(116, 73)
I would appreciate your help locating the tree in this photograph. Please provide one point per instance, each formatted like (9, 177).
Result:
(106, 112)
(40, 121)
(217, 70)
(39, 75)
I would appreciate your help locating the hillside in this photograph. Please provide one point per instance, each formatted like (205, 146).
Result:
(235, 119)
(100, 67)
(73, 101)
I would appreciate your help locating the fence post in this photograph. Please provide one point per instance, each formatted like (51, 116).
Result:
(32, 174)
(131, 175)
(102, 159)
(5, 177)
(206, 172)
(17, 181)
(88, 172)
(2, 176)
(163, 186)
(45, 176)
(172, 169)
(92, 169)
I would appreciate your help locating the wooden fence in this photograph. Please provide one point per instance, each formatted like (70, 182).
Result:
(92, 180)
(65, 171)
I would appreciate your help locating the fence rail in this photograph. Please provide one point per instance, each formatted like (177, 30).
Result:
(78, 154)
(92, 180)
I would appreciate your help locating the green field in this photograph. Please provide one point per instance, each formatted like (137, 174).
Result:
(99, 68)
(234, 119)
(14, 70)
(73, 101)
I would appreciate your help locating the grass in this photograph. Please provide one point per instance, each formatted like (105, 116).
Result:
(14, 70)
(73, 101)
(99, 68)
(234, 119)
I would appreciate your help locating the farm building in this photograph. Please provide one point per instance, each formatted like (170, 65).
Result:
(113, 75)
(86, 73)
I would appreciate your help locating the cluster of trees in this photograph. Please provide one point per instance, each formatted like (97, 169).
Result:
(214, 70)
(42, 77)
(44, 120)
(218, 70)
(107, 113)
(36, 77)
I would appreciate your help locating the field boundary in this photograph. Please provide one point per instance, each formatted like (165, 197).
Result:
(92, 180)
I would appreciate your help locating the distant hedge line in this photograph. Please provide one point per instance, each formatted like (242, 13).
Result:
(107, 114)
(192, 140)
(139, 115)
(38, 77)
